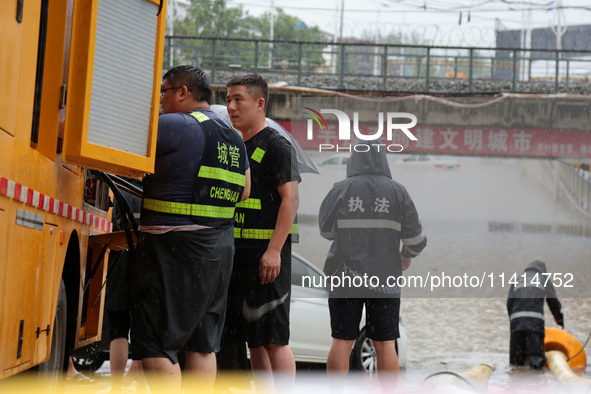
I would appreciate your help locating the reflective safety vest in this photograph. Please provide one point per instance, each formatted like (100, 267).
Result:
(260, 233)
(220, 179)
(525, 302)
(368, 215)
(255, 217)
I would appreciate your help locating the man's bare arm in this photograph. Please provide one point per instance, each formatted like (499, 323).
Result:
(246, 192)
(271, 261)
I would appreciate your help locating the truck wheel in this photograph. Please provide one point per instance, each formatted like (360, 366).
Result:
(89, 363)
(51, 370)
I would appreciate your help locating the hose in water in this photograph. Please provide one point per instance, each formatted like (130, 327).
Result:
(582, 348)
(463, 379)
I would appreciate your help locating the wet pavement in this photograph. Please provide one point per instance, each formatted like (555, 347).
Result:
(486, 216)
(474, 220)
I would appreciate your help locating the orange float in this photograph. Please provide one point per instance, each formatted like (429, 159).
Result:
(557, 339)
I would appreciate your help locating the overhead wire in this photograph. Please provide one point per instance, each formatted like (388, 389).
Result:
(480, 11)
(450, 9)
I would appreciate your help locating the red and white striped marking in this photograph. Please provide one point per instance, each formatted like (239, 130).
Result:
(35, 199)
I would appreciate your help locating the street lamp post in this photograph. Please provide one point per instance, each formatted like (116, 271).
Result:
(558, 28)
(271, 33)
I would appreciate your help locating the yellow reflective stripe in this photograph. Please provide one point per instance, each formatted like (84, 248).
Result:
(259, 233)
(249, 203)
(179, 208)
(257, 155)
(252, 233)
(212, 211)
(199, 116)
(222, 175)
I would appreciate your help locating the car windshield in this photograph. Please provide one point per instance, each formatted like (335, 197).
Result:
(305, 276)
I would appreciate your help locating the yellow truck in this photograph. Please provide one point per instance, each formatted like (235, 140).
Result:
(79, 93)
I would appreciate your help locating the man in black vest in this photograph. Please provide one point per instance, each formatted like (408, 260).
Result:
(525, 306)
(259, 299)
(186, 239)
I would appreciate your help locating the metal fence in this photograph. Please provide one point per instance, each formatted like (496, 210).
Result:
(577, 185)
(386, 67)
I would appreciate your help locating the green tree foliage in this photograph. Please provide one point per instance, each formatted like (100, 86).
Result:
(288, 28)
(215, 19)
(212, 19)
(207, 18)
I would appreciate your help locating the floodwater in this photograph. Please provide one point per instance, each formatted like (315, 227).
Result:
(489, 216)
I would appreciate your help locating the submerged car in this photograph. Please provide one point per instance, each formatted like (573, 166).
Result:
(310, 337)
(428, 161)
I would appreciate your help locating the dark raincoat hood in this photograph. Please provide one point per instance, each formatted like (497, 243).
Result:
(372, 162)
(537, 265)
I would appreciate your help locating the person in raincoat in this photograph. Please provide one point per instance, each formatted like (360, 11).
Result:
(525, 305)
(367, 216)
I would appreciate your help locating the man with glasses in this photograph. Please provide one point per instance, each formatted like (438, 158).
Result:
(186, 236)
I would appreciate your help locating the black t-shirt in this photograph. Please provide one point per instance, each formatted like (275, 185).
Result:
(272, 162)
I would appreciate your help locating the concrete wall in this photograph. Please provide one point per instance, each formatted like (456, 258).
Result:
(542, 171)
(557, 112)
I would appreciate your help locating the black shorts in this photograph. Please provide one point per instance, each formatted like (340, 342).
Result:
(258, 313)
(179, 290)
(381, 318)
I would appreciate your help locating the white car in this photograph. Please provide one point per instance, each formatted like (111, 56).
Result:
(310, 338)
(338, 159)
(428, 161)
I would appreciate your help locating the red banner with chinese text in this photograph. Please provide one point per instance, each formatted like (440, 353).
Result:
(460, 141)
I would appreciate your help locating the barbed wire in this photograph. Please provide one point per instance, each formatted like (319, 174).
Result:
(421, 34)
(471, 29)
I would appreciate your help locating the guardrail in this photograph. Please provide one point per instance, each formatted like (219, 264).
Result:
(385, 67)
(576, 183)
